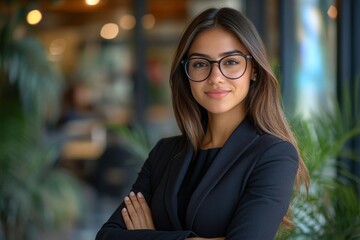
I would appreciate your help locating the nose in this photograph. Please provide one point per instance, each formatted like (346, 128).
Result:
(215, 74)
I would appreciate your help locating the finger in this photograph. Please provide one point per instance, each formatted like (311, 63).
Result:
(132, 213)
(128, 223)
(146, 210)
(138, 209)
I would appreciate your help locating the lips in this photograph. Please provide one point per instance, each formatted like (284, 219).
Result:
(217, 93)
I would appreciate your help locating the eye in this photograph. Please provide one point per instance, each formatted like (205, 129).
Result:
(231, 62)
(199, 63)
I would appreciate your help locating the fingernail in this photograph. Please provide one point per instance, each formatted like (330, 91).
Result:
(140, 195)
(127, 198)
(132, 194)
(124, 210)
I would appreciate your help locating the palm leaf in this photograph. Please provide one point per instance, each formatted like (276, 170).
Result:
(25, 65)
(331, 209)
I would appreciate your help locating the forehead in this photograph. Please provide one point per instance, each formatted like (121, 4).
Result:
(215, 41)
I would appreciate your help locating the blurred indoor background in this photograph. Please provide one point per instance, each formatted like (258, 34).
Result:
(84, 95)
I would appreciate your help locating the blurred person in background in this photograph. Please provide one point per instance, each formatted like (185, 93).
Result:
(77, 104)
(231, 173)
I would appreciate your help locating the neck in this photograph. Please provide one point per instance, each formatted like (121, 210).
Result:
(219, 129)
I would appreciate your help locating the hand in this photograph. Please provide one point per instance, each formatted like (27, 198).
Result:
(137, 214)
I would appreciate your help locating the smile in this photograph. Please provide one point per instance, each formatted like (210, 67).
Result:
(217, 94)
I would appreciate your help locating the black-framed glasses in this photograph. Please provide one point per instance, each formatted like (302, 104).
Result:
(233, 66)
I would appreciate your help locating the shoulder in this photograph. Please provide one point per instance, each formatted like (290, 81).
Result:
(171, 142)
(168, 147)
(161, 153)
(275, 163)
(274, 148)
(268, 141)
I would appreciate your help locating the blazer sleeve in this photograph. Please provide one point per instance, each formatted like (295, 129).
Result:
(267, 195)
(115, 229)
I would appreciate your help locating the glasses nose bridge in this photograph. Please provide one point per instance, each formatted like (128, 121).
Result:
(212, 63)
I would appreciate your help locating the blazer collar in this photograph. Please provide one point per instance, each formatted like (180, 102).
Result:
(243, 137)
(238, 142)
(176, 173)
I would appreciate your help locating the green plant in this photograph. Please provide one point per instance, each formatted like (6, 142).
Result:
(35, 194)
(24, 64)
(331, 209)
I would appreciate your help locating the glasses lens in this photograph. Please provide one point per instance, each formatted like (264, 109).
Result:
(233, 66)
(198, 69)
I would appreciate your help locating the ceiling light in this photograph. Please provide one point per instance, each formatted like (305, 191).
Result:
(127, 22)
(148, 21)
(92, 2)
(109, 31)
(34, 17)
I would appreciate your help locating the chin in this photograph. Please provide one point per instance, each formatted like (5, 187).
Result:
(216, 110)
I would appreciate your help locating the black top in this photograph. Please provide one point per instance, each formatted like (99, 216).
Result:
(197, 169)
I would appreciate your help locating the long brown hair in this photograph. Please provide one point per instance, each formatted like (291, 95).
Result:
(263, 102)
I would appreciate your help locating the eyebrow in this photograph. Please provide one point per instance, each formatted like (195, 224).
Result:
(221, 55)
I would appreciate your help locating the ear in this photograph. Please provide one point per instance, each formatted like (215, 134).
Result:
(254, 73)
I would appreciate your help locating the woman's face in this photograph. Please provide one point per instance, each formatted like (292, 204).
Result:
(218, 94)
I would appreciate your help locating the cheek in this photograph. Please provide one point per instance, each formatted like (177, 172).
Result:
(244, 83)
(242, 88)
(246, 87)
(194, 90)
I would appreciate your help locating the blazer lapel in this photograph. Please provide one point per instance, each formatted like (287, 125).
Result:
(240, 140)
(176, 173)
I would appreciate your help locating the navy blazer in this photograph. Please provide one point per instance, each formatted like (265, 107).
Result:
(244, 194)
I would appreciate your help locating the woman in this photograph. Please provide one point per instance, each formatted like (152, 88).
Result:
(230, 175)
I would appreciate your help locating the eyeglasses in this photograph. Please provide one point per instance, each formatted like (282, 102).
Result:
(232, 67)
